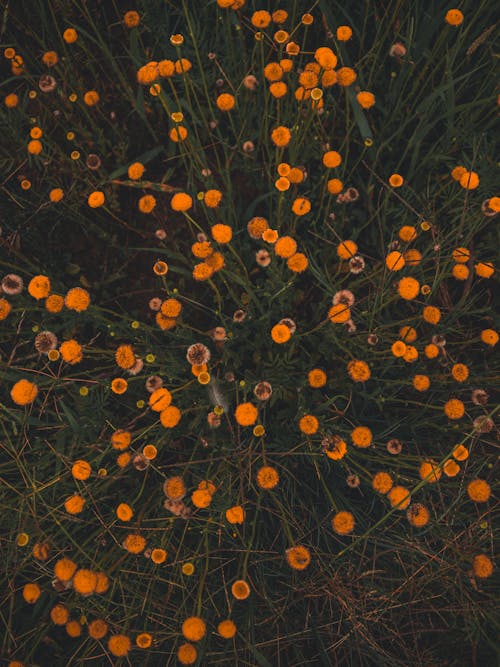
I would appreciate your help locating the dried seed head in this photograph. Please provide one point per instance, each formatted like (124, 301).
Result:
(352, 481)
(289, 323)
(479, 397)
(345, 297)
(155, 303)
(153, 382)
(250, 82)
(140, 462)
(93, 162)
(263, 258)
(239, 315)
(248, 147)
(351, 194)
(439, 340)
(356, 264)
(213, 420)
(394, 446)
(198, 354)
(372, 339)
(263, 390)
(485, 208)
(161, 234)
(45, 341)
(137, 367)
(483, 424)
(12, 284)
(397, 50)
(219, 334)
(47, 83)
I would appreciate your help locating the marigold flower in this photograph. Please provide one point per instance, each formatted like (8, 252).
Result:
(281, 136)
(240, 589)
(316, 378)
(11, 101)
(343, 523)
(358, 370)
(85, 582)
(267, 477)
(222, 233)
(125, 357)
(187, 653)
(71, 351)
(399, 497)
(201, 498)
(181, 202)
(235, 514)
(361, 436)
(382, 482)
(298, 557)
(226, 629)
(326, 58)
(339, 313)
(408, 288)
(225, 102)
(70, 35)
(479, 490)
(5, 309)
(131, 19)
(64, 569)
(174, 488)
(74, 504)
(482, 566)
(418, 515)
(81, 470)
(134, 543)
(91, 98)
(119, 645)
(484, 269)
(194, 628)
(77, 299)
(429, 471)
(135, 171)
(96, 199)
(39, 287)
(170, 417)
(147, 203)
(59, 614)
(124, 512)
(31, 593)
(454, 17)
(297, 262)
(54, 303)
(421, 382)
(24, 392)
(454, 408)
(309, 424)
(489, 336)
(451, 468)
(246, 414)
(334, 447)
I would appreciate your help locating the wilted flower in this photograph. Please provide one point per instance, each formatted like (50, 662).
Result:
(372, 339)
(263, 258)
(47, 83)
(479, 397)
(263, 390)
(394, 446)
(288, 322)
(345, 297)
(45, 341)
(483, 424)
(239, 315)
(397, 50)
(198, 354)
(153, 382)
(250, 82)
(12, 284)
(93, 161)
(356, 264)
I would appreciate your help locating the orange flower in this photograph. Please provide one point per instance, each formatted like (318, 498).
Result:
(181, 202)
(343, 523)
(39, 287)
(246, 414)
(382, 482)
(298, 557)
(316, 378)
(24, 392)
(280, 333)
(85, 582)
(430, 471)
(225, 102)
(281, 136)
(399, 497)
(332, 159)
(362, 436)
(454, 408)
(267, 477)
(31, 593)
(298, 262)
(77, 299)
(194, 628)
(222, 233)
(308, 424)
(358, 370)
(70, 35)
(396, 180)
(325, 57)
(482, 566)
(64, 569)
(71, 351)
(454, 17)
(418, 515)
(235, 514)
(301, 206)
(339, 313)
(96, 199)
(135, 171)
(394, 261)
(170, 417)
(125, 357)
(74, 504)
(201, 498)
(119, 645)
(408, 288)
(479, 490)
(131, 19)
(124, 512)
(54, 303)
(240, 589)
(160, 399)
(226, 629)
(81, 470)
(134, 543)
(97, 629)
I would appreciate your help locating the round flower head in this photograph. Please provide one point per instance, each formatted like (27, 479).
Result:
(77, 299)
(225, 101)
(227, 629)
(482, 566)
(280, 333)
(479, 490)
(281, 136)
(308, 424)
(325, 57)
(418, 515)
(246, 414)
(194, 628)
(119, 645)
(454, 17)
(399, 497)
(298, 557)
(343, 523)
(187, 653)
(240, 589)
(39, 287)
(267, 477)
(24, 392)
(181, 202)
